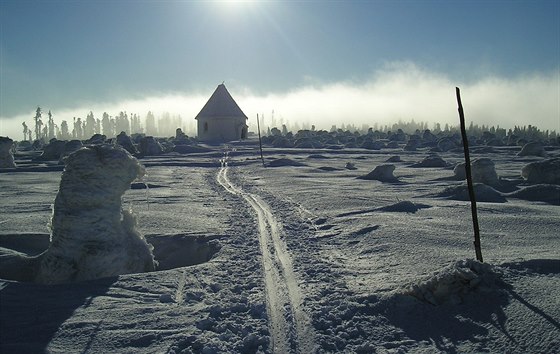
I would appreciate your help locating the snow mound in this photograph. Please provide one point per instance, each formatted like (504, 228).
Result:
(6, 156)
(126, 142)
(317, 156)
(454, 282)
(91, 235)
(547, 171)
(533, 148)
(482, 192)
(431, 161)
(53, 151)
(404, 207)
(547, 193)
(383, 173)
(395, 158)
(328, 168)
(149, 146)
(284, 162)
(483, 170)
(190, 149)
(183, 250)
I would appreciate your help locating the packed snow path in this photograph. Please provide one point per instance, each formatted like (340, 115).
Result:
(290, 326)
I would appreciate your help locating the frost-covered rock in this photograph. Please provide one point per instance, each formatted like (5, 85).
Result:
(6, 155)
(383, 173)
(547, 171)
(533, 148)
(91, 235)
(454, 282)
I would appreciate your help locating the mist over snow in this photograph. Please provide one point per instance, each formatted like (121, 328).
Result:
(399, 91)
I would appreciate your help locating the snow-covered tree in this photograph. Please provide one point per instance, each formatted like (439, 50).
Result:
(25, 130)
(151, 128)
(38, 123)
(89, 128)
(64, 133)
(107, 126)
(51, 132)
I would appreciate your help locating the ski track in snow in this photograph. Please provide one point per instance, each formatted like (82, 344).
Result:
(290, 326)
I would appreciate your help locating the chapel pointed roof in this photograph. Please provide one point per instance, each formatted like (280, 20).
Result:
(221, 105)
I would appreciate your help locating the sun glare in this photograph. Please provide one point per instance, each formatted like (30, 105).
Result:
(236, 2)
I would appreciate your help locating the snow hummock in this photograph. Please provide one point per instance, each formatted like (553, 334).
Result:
(91, 235)
(283, 162)
(546, 171)
(383, 173)
(454, 282)
(483, 193)
(533, 148)
(431, 161)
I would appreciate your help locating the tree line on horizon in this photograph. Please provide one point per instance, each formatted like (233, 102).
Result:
(110, 126)
(167, 124)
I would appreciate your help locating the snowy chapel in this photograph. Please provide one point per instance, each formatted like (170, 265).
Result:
(221, 119)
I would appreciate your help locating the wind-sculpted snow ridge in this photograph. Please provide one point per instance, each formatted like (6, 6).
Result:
(92, 236)
(289, 324)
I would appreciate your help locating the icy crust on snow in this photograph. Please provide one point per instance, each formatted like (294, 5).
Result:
(454, 282)
(91, 235)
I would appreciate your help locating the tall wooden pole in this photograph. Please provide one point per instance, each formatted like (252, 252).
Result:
(260, 140)
(477, 246)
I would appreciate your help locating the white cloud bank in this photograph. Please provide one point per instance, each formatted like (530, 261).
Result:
(399, 91)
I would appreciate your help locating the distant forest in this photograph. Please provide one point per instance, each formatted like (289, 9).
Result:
(167, 124)
(83, 129)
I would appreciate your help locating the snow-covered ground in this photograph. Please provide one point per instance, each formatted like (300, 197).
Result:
(297, 259)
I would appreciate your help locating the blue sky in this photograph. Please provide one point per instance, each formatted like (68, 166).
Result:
(66, 55)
